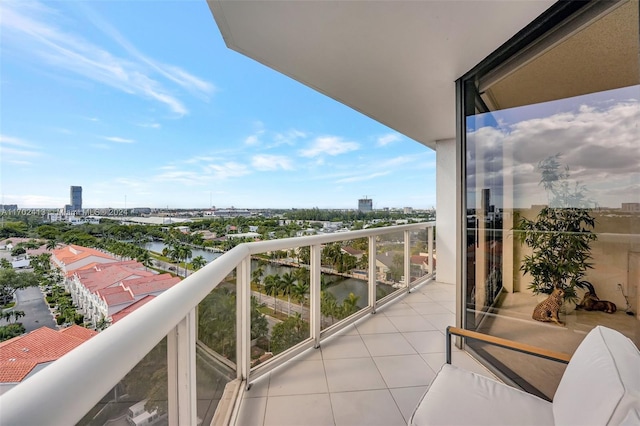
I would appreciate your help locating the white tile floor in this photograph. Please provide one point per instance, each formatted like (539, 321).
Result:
(373, 373)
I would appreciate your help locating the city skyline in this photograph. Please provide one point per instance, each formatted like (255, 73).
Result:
(171, 118)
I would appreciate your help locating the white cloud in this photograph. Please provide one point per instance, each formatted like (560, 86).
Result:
(288, 138)
(251, 140)
(388, 139)
(598, 143)
(271, 162)
(14, 149)
(329, 145)
(189, 178)
(227, 170)
(29, 29)
(362, 178)
(118, 139)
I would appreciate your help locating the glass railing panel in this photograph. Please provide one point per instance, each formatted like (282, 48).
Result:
(280, 283)
(139, 398)
(344, 280)
(419, 261)
(217, 323)
(389, 264)
(212, 376)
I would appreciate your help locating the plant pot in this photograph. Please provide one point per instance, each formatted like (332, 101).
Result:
(568, 307)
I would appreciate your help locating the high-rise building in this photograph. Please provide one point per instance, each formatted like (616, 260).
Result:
(75, 194)
(365, 205)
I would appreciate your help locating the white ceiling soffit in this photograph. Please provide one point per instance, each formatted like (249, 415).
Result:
(394, 61)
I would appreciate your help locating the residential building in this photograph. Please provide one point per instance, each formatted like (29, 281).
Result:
(524, 99)
(23, 356)
(73, 257)
(103, 290)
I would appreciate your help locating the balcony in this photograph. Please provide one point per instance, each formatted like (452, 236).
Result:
(383, 354)
(372, 373)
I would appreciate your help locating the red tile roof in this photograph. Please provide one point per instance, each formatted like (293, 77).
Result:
(126, 311)
(18, 356)
(111, 274)
(73, 253)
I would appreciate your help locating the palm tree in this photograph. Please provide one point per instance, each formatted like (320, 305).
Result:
(185, 254)
(256, 279)
(144, 257)
(198, 262)
(349, 305)
(299, 293)
(52, 244)
(287, 281)
(272, 288)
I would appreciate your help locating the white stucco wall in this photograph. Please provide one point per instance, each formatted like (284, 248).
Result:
(446, 190)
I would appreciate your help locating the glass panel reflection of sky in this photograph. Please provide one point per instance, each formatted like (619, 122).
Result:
(597, 135)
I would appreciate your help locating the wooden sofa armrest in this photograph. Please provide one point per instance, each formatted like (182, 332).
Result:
(504, 343)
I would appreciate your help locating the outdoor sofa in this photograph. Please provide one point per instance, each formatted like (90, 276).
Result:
(600, 386)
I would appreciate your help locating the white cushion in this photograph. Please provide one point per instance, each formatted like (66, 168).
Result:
(632, 418)
(460, 397)
(601, 383)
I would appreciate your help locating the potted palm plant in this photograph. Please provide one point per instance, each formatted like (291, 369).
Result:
(559, 236)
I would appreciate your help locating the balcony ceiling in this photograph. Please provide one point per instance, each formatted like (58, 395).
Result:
(394, 61)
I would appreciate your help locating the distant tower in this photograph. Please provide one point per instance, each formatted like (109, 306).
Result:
(365, 205)
(76, 198)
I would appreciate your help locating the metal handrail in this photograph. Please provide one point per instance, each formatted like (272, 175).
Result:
(503, 343)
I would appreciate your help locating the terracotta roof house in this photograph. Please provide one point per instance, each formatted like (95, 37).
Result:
(73, 257)
(106, 289)
(25, 355)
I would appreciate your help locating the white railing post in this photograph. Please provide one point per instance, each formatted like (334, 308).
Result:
(315, 313)
(243, 319)
(430, 249)
(407, 260)
(181, 371)
(372, 273)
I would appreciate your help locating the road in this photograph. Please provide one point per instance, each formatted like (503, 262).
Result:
(31, 301)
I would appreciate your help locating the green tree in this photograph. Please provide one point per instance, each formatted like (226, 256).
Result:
(288, 333)
(52, 244)
(287, 281)
(5, 264)
(144, 257)
(349, 306)
(299, 293)
(328, 305)
(256, 279)
(272, 288)
(198, 262)
(11, 281)
(10, 331)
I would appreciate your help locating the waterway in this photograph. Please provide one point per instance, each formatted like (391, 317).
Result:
(339, 286)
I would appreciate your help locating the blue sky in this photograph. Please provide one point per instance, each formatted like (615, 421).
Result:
(142, 101)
